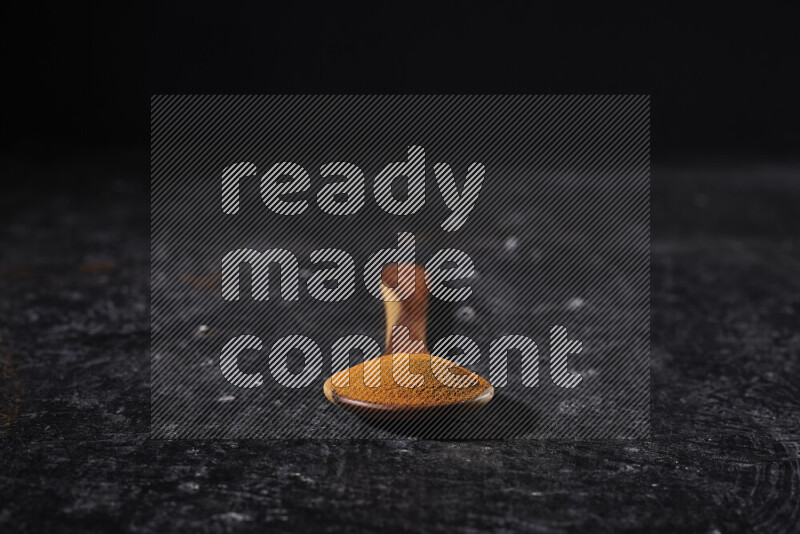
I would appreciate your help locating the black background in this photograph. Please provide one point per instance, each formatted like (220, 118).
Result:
(722, 80)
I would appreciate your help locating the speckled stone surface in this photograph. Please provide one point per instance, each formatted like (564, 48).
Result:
(74, 387)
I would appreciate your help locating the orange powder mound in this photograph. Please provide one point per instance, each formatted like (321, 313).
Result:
(391, 393)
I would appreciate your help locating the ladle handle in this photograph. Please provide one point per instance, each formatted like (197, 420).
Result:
(412, 312)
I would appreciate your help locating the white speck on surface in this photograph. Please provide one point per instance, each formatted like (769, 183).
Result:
(189, 486)
(203, 329)
(511, 243)
(226, 398)
(575, 304)
(234, 516)
(465, 314)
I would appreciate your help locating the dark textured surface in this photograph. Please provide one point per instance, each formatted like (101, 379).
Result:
(74, 392)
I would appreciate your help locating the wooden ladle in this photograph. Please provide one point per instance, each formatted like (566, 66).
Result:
(407, 380)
